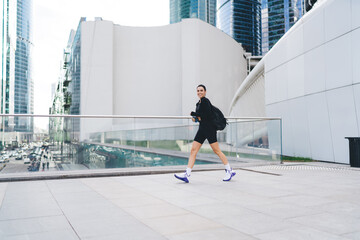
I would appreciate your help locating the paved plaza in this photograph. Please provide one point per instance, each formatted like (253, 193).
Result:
(290, 201)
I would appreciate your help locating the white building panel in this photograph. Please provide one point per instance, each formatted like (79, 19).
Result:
(343, 123)
(282, 88)
(97, 69)
(295, 44)
(277, 57)
(355, 16)
(337, 18)
(355, 57)
(356, 89)
(338, 62)
(319, 127)
(299, 127)
(295, 77)
(314, 27)
(281, 109)
(315, 74)
(271, 85)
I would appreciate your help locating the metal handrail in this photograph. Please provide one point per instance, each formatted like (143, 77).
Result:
(129, 116)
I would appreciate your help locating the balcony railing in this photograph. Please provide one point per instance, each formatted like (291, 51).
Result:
(84, 142)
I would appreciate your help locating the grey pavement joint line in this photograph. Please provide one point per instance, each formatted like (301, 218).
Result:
(2, 200)
(72, 227)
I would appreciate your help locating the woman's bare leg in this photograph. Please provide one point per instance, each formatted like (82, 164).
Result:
(215, 147)
(194, 150)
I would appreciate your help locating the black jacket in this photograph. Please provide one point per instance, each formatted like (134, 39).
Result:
(204, 111)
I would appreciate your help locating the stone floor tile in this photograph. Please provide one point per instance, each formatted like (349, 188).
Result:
(132, 201)
(111, 226)
(331, 223)
(156, 210)
(33, 225)
(180, 224)
(300, 233)
(53, 235)
(213, 234)
(353, 235)
(255, 223)
(284, 210)
(216, 210)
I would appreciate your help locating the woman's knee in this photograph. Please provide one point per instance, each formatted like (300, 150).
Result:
(194, 150)
(217, 151)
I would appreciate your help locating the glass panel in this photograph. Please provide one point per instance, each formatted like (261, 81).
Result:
(75, 143)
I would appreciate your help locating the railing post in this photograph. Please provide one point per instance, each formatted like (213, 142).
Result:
(281, 159)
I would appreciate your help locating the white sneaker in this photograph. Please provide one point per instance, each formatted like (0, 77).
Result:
(183, 177)
(228, 175)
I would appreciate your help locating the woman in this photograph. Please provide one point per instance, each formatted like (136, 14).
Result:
(207, 131)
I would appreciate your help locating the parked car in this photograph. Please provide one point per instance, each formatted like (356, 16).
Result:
(26, 160)
(6, 158)
(18, 157)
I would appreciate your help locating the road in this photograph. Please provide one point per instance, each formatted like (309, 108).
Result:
(15, 166)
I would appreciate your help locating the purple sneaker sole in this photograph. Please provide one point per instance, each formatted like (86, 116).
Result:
(232, 174)
(185, 179)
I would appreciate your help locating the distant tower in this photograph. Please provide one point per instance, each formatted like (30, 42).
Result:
(7, 54)
(241, 19)
(24, 86)
(278, 16)
(201, 9)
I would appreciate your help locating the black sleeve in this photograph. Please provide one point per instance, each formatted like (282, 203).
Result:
(205, 110)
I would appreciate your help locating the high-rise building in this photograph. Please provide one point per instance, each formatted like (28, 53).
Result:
(241, 19)
(278, 16)
(66, 99)
(7, 53)
(201, 9)
(24, 86)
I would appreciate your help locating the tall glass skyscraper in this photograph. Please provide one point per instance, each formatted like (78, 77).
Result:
(278, 16)
(75, 70)
(241, 19)
(7, 53)
(24, 86)
(201, 9)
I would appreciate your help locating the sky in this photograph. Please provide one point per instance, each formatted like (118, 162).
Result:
(54, 19)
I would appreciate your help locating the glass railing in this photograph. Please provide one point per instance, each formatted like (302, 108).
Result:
(31, 143)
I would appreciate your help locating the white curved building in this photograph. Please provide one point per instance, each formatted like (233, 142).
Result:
(311, 78)
(155, 70)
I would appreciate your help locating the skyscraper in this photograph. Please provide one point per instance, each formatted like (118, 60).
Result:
(278, 16)
(24, 86)
(241, 19)
(201, 9)
(7, 53)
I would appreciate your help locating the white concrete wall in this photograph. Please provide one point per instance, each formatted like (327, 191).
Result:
(97, 68)
(312, 81)
(314, 70)
(155, 70)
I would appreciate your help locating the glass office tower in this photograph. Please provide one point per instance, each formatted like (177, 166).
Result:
(201, 9)
(278, 16)
(24, 87)
(75, 70)
(241, 19)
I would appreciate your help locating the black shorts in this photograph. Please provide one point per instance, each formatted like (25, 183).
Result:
(206, 133)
